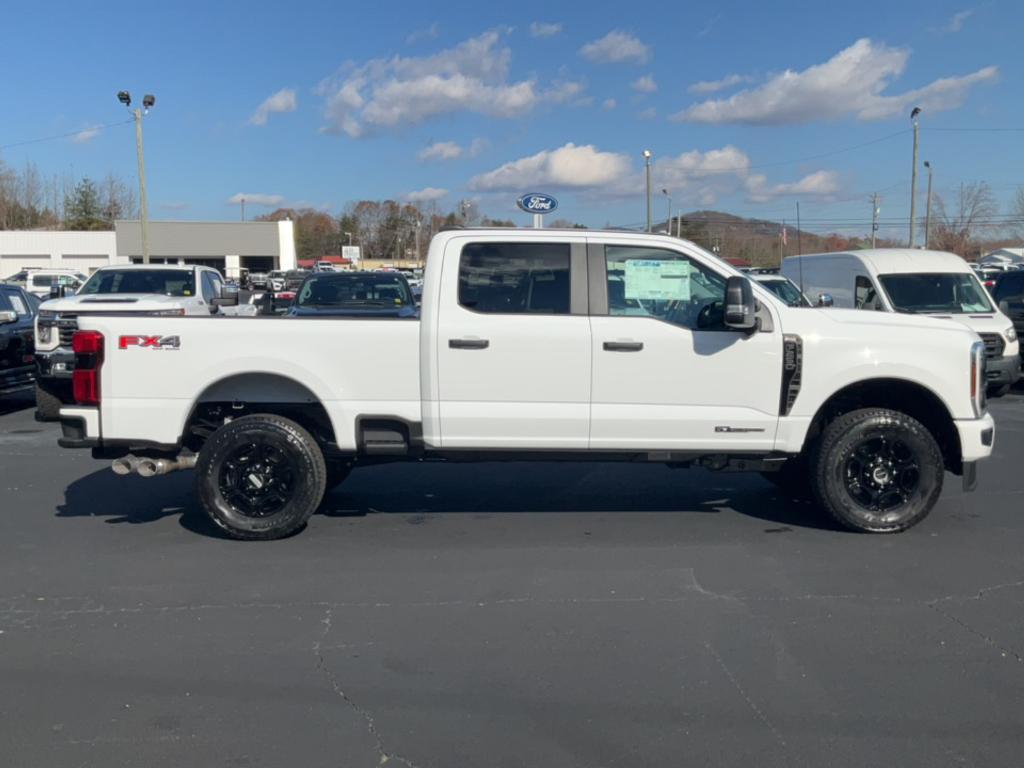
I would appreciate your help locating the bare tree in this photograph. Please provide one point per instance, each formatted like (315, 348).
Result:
(954, 228)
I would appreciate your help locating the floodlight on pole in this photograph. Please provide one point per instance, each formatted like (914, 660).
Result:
(137, 114)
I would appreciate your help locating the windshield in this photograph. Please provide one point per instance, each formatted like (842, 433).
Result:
(166, 282)
(786, 291)
(276, 273)
(354, 291)
(945, 293)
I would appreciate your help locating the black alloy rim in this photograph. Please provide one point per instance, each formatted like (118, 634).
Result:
(882, 474)
(258, 479)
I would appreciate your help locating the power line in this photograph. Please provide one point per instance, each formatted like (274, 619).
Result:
(63, 135)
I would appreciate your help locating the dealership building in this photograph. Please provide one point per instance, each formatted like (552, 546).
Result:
(225, 245)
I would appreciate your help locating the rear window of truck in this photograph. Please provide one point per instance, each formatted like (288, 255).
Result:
(515, 278)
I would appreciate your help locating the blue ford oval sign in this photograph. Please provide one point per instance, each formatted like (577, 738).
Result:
(537, 202)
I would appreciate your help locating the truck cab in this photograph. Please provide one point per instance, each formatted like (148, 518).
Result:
(911, 281)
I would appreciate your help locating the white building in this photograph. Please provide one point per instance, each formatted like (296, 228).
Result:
(1004, 257)
(226, 245)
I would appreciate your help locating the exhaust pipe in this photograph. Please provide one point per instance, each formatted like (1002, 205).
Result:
(150, 467)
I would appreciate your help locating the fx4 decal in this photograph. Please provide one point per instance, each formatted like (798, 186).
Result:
(149, 342)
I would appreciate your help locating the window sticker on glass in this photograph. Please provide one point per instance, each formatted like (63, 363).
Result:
(18, 304)
(658, 280)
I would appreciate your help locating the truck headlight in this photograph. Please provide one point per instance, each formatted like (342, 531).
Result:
(45, 334)
(1011, 334)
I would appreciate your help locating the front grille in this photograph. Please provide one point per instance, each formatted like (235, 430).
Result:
(67, 327)
(994, 344)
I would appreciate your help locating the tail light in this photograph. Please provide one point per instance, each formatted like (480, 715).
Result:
(85, 381)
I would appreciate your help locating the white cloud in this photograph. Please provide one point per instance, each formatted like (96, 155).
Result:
(608, 104)
(255, 198)
(426, 195)
(956, 22)
(564, 91)
(282, 101)
(644, 84)
(617, 47)
(427, 33)
(86, 135)
(851, 82)
(544, 29)
(401, 91)
(568, 167)
(820, 184)
(713, 86)
(440, 150)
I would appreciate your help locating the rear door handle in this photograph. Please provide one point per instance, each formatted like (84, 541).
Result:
(468, 343)
(623, 346)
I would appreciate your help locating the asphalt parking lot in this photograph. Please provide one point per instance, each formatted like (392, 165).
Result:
(504, 615)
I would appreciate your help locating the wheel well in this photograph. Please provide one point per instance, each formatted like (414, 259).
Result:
(899, 395)
(245, 394)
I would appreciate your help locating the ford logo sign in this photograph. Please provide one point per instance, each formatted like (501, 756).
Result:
(536, 202)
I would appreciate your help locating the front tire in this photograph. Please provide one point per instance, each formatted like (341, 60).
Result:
(876, 470)
(260, 477)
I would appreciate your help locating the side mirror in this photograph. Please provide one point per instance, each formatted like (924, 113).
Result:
(227, 298)
(1004, 307)
(8, 316)
(826, 300)
(740, 305)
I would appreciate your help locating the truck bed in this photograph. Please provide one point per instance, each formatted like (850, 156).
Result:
(353, 366)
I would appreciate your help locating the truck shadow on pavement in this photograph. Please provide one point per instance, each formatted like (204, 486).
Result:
(416, 490)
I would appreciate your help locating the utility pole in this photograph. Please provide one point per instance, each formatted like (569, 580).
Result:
(137, 114)
(799, 246)
(913, 177)
(647, 164)
(928, 210)
(874, 217)
(243, 209)
(668, 213)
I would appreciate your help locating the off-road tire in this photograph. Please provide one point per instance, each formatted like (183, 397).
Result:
(830, 467)
(48, 403)
(304, 489)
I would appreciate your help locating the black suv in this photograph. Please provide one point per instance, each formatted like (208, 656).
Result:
(1009, 295)
(18, 310)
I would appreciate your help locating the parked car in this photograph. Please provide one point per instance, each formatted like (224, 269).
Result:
(544, 344)
(17, 362)
(354, 294)
(909, 281)
(275, 280)
(129, 289)
(782, 287)
(988, 276)
(1008, 293)
(40, 282)
(258, 279)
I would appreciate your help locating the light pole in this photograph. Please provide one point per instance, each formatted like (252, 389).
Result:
(647, 164)
(928, 209)
(147, 103)
(668, 217)
(243, 209)
(349, 236)
(913, 177)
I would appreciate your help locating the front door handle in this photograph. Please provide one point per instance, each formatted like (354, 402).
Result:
(623, 346)
(468, 343)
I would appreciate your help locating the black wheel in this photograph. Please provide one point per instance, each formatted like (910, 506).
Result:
(998, 391)
(48, 402)
(877, 470)
(337, 471)
(793, 478)
(260, 477)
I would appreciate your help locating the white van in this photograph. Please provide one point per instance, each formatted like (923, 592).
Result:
(917, 282)
(39, 282)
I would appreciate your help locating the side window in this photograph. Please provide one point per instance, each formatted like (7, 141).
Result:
(18, 303)
(864, 296)
(5, 300)
(42, 281)
(651, 282)
(515, 278)
(209, 290)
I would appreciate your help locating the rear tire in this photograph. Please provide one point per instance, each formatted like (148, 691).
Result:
(876, 470)
(260, 477)
(48, 402)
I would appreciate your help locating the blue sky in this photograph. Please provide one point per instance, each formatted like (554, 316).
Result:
(744, 106)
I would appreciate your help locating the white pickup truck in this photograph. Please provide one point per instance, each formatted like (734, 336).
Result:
(542, 344)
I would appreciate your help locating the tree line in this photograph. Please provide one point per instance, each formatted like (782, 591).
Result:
(30, 200)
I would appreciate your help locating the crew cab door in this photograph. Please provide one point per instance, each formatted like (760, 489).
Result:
(667, 373)
(513, 344)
